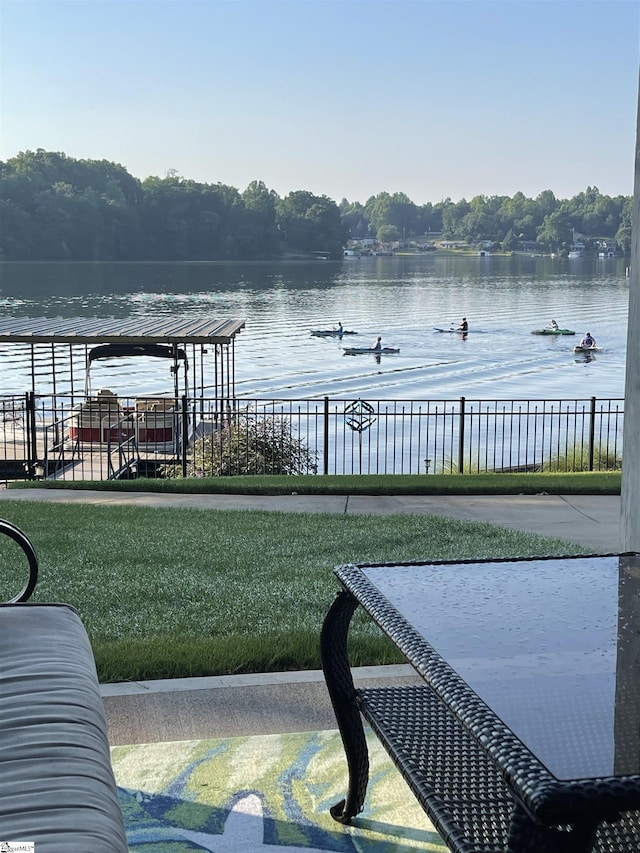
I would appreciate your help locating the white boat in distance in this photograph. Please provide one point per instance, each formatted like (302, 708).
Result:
(576, 249)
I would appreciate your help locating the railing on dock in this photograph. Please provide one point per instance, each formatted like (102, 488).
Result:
(198, 436)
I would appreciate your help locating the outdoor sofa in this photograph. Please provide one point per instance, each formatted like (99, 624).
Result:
(57, 789)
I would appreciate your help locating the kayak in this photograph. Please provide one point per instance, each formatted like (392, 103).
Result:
(331, 333)
(553, 332)
(587, 349)
(459, 331)
(362, 350)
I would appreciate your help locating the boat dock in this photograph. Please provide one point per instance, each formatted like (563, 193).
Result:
(66, 431)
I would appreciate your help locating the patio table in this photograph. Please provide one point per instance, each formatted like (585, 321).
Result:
(523, 735)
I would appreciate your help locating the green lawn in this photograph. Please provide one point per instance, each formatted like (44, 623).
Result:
(178, 592)
(588, 483)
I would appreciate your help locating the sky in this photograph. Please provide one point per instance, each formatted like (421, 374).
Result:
(345, 98)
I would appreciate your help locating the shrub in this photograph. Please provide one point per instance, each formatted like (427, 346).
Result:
(576, 458)
(246, 444)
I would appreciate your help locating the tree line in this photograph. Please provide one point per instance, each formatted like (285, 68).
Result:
(54, 207)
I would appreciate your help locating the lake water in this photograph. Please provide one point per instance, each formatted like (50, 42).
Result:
(399, 298)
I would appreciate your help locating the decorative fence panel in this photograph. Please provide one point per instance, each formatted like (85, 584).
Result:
(67, 438)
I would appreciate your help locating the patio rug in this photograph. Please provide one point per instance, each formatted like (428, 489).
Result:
(268, 793)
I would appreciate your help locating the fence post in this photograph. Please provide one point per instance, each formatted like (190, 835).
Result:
(592, 430)
(325, 443)
(32, 445)
(185, 433)
(461, 438)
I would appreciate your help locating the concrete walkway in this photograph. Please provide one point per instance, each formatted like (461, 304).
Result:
(225, 706)
(593, 521)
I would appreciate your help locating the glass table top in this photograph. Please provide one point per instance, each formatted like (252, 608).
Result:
(552, 646)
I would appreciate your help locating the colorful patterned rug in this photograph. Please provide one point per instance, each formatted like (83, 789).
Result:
(265, 793)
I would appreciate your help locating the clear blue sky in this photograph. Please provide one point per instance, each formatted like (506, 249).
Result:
(433, 98)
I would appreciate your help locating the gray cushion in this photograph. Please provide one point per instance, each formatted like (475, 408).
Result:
(56, 783)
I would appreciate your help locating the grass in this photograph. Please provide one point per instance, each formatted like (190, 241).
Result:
(170, 593)
(557, 483)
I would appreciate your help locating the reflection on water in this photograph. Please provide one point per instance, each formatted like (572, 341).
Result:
(401, 299)
(585, 357)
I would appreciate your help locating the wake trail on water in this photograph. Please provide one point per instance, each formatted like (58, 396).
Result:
(441, 378)
(329, 384)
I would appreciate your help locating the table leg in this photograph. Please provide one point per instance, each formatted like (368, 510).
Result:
(526, 836)
(337, 673)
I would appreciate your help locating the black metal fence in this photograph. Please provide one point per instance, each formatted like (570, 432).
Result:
(189, 436)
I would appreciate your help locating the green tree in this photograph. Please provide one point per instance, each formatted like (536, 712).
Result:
(256, 228)
(388, 234)
(623, 234)
(521, 215)
(428, 219)
(556, 232)
(15, 232)
(78, 209)
(56, 207)
(546, 203)
(187, 220)
(396, 209)
(510, 241)
(310, 223)
(355, 218)
(453, 216)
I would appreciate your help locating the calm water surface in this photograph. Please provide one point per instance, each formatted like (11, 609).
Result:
(400, 298)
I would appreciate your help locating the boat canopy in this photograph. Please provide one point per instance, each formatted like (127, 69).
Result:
(172, 351)
(132, 330)
(60, 349)
(128, 350)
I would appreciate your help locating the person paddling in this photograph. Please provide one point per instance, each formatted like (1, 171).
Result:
(377, 346)
(464, 326)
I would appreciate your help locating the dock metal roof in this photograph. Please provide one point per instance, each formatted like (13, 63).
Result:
(131, 331)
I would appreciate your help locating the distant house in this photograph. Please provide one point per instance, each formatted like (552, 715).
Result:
(607, 248)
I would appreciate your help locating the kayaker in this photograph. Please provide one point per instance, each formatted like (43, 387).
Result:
(339, 328)
(588, 340)
(464, 326)
(377, 346)
(553, 325)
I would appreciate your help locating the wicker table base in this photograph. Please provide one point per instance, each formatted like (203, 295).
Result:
(453, 776)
